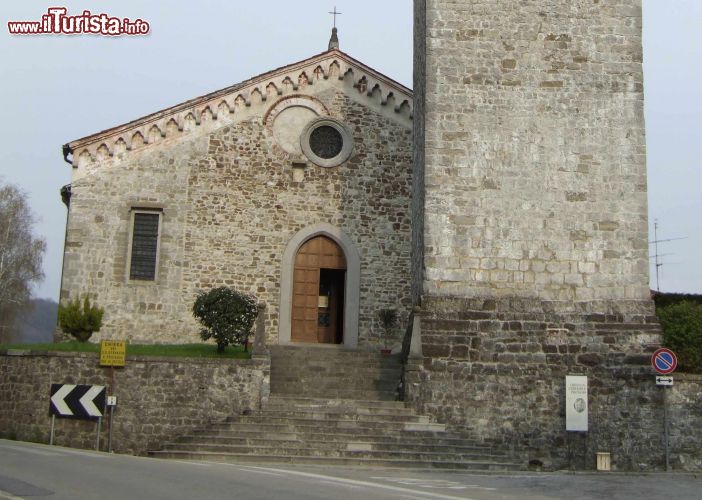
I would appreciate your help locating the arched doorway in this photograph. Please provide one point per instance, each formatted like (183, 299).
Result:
(318, 292)
(352, 281)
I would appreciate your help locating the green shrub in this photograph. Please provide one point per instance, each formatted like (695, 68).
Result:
(682, 332)
(226, 315)
(80, 322)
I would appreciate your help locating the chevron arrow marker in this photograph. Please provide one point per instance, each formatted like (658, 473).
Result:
(89, 404)
(58, 399)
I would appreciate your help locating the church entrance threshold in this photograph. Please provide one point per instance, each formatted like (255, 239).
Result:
(318, 292)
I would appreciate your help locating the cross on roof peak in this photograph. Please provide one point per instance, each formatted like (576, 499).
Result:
(334, 40)
(335, 13)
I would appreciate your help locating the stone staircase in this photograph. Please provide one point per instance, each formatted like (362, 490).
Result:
(335, 407)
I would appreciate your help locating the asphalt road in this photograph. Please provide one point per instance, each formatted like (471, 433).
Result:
(32, 471)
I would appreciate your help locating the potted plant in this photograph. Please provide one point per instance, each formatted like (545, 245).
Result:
(388, 321)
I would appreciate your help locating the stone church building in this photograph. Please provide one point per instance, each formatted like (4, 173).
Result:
(500, 207)
(293, 186)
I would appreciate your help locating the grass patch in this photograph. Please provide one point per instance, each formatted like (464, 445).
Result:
(167, 350)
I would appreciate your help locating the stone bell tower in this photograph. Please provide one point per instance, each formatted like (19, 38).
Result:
(530, 214)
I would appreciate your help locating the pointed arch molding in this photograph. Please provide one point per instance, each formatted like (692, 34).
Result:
(352, 288)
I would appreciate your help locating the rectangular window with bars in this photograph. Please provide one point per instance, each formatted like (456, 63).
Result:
(144, 245)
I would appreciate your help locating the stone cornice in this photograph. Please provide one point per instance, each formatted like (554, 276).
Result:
(241, 100)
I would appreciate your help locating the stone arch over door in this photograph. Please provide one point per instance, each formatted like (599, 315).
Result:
(351, 286)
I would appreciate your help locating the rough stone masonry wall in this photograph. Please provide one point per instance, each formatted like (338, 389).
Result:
(97, 239)
(230, 206)
(418, 140)
(498, 368)
(535, 245)
(158, 398)
(246, 207)
(535, 177)
(685, 413)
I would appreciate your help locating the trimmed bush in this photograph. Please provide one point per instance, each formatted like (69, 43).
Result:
(80, 322)
(682, 332)
(226, 315)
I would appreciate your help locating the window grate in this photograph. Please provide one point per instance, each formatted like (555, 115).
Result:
(144, 247)
(326, 142)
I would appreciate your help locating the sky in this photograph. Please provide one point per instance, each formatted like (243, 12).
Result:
(58, 88)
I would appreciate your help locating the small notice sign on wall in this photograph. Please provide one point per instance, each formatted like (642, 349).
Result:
(113, 352)
(576, 403)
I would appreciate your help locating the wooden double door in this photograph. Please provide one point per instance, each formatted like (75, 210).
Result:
(318, 292)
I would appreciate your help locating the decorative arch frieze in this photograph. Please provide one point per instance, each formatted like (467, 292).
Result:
(243, 101)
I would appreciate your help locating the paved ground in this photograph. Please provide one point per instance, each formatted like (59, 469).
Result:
(34, 471)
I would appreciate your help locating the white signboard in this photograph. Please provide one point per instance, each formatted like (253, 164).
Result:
(576, 403)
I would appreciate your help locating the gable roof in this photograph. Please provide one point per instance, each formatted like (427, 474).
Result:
(370, 84)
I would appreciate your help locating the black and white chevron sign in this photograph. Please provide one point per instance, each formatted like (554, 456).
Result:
(77, 401)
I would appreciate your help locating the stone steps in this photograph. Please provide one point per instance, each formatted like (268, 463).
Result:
(310, 426)
(334, 373)
(353, 450)
(335, 407)
(266, 430)
(331, 441)
(297, 415)
(361, 394)
(337, 435)
(313, 408)
(277, 401)
(475, 465)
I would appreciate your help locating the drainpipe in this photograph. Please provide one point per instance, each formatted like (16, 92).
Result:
(66, 198)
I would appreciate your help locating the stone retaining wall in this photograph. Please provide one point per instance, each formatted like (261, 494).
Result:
(158, 398)
(499, 367)
(685, 415)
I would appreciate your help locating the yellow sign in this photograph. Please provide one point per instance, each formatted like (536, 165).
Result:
(113, 352)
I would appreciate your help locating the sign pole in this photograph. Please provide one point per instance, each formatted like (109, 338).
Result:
(112, 409)
(51, 437)
(112, 353)
(664, 361)
(97, 438)
(665, 423)
(109, 433)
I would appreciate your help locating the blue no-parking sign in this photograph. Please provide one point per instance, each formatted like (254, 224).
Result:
(664, 361)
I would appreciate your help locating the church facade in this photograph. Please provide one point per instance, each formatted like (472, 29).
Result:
(293, 186)
(500, 208)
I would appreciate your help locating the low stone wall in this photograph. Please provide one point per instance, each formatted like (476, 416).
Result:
(158, 398)
(499, 369)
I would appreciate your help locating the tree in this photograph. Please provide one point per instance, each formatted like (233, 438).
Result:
(226, 315)
(682, 332)
(21, 252)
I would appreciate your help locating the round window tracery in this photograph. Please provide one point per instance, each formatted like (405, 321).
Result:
(326, 142)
